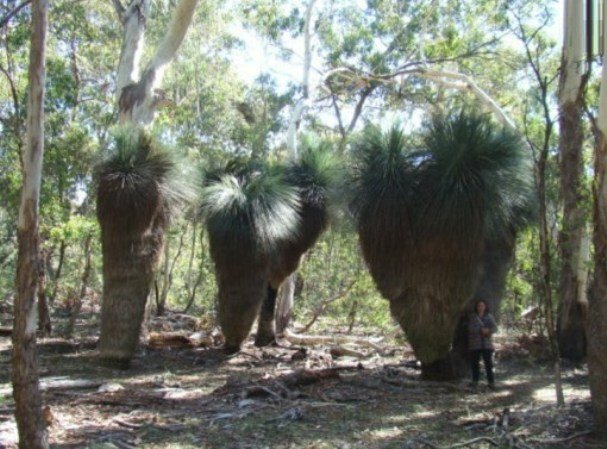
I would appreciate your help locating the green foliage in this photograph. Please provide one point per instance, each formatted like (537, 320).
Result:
(250, 201)
(423, 215)
(472, 170)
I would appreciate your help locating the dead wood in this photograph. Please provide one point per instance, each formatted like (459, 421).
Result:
(308, 377)
(59, 383)
(158, 340)
(126, 424)
(6, 331)
(310, 340)
(340, 351)
(559, 440)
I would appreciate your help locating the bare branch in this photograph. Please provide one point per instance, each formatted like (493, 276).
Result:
(119, 9)
(13, 13)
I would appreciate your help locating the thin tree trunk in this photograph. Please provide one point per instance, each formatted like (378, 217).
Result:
(62, 248)
(597, 316)
(545, 270)
(161, 294)
(84, 282)
(285, 304)
(571, 326)
(167, 281)
(26, 389)
(44, 316)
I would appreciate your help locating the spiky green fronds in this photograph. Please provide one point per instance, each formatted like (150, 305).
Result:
(423, 217)
(317, 173)
(474, 172)
(135, 181)
(382, 186)
(254, 203)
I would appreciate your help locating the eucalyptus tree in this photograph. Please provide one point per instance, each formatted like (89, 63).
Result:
(28, 401)
(575, 72)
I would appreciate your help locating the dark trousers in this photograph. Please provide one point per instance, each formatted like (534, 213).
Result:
(475, 359)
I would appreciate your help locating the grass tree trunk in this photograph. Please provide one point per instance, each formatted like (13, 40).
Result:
(130, 260)
(597, 317)
(572, 307)
(26, 391)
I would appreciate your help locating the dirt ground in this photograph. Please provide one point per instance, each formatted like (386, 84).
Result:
(291, 396)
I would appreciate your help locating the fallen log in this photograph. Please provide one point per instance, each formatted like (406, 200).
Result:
(59, 383)
(310, 340)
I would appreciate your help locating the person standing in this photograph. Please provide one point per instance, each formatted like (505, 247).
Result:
(481, 327)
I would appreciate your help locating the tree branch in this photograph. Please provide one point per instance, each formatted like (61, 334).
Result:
(120, 10)
(467, 83)
(13, 13)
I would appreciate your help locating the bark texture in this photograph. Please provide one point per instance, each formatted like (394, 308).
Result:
(30, 424)
(597, 318)
(130, 258)
(571, 324)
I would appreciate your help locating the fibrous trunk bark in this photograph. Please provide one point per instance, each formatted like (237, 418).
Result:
(571, 326)
(129, 267)
(26, 391)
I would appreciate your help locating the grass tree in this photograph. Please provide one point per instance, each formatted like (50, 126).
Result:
(135, 195)
(261, 219)
(425, 216)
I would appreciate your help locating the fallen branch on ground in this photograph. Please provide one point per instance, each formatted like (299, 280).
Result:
(453, 446)
(559, 440)
(179, 340)
(59, 383)
(310, 340)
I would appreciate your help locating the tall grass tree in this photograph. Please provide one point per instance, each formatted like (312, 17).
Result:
(261, 219)
(136, 193)
(425, 215)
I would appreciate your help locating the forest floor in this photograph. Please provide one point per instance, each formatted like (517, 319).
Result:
(292, 397)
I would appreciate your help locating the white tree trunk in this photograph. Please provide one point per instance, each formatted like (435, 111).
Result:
(572, 86)
(284, 303)
(133, 20)
(137, 98)
(32, 429)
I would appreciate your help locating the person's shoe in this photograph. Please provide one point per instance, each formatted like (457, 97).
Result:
(492, 387)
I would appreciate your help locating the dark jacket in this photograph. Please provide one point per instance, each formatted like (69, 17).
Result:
(475, 339)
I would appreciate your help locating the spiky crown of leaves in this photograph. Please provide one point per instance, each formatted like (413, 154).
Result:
(263, 200)
(467, 171)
